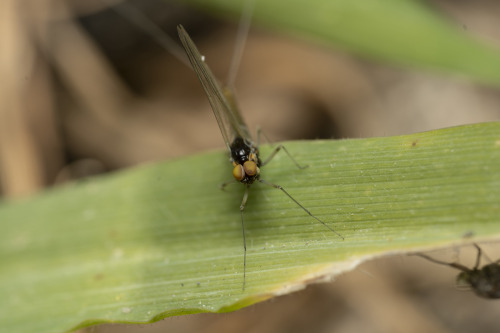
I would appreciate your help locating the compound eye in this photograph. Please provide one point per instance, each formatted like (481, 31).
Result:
(238, 172)
(250, 168)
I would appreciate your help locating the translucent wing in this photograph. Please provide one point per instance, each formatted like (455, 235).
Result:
(222, 100)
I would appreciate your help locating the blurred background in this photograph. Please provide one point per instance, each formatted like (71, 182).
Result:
(84, 91)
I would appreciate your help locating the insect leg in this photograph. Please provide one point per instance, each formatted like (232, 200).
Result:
(242, 207)
(451, 264)
(223, 185)
(478, 259)
(276, 150)
(279, 187)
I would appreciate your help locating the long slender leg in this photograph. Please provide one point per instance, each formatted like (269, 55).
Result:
(276, 150)
(242, 207)
(223, 185)
(451, 264)
(279, 187)
(478, 258)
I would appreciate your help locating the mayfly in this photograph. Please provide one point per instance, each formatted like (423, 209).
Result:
(243, 151)
(485, 281)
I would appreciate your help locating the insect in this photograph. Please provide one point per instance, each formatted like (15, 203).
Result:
(485, 281)
(243, 151)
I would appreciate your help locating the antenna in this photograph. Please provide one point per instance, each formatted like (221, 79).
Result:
(143, 22)
(241, 38)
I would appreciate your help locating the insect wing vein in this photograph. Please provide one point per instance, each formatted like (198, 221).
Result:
(230, 122)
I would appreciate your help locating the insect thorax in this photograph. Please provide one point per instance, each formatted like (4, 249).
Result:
(485, 282)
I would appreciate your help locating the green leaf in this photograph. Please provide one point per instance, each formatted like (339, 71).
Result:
(162, 240)
(401, 32)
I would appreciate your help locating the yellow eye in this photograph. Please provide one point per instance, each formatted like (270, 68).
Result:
(238, 172)
(250, 168)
